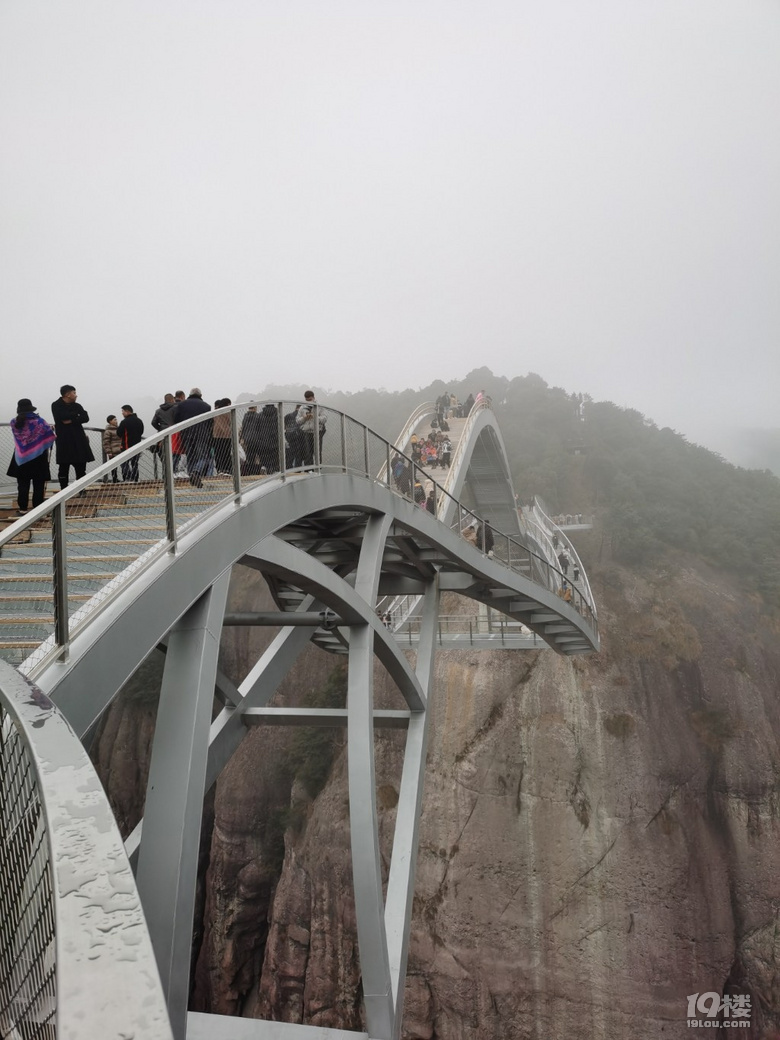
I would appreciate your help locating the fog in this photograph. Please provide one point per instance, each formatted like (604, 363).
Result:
(233, 194)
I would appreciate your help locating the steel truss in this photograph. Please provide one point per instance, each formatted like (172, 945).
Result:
(328, 544)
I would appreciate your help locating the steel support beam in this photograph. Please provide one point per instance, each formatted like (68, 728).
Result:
(330, 718)
(400, 886)
(283, 618)
(364, 835)
(168, 856)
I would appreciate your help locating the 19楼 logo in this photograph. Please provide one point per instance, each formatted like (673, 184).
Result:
(735, 1008)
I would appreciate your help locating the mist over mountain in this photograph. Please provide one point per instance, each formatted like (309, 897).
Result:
(753, 448)
(599, 836)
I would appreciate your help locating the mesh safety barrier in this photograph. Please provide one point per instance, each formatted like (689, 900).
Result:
(27, 962)
(8, 484)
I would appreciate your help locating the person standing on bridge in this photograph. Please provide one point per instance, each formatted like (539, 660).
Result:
(305, 421)
(196, 440)
(163, 417)
(30, 461)
(485, 539)
(130, 432)
(73, 448)
(112, 445)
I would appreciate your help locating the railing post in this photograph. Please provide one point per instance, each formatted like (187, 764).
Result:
(60, 576)
(365, 450)
(281, 438)
(316, 417)
(170, 499)
(236, 453)
(388, 472)
(343, 425)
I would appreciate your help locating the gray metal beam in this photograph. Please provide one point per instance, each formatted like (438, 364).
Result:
(331, 718)
(223, 1027)
(364, 835)
(259, 686)
(101, 656)
(168, 856)
(228, 729)
(400, 885)
(283, 618)
(285, 561)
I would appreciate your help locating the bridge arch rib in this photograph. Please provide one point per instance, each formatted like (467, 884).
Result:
(334, 536)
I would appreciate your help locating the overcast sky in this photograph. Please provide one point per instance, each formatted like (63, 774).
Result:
(366, 193)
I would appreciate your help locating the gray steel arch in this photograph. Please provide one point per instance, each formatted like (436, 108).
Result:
(331, 536)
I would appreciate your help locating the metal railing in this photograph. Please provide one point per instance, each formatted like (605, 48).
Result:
(539, 510)
(469, 629)
(400, 608)
(75, 957)
(8, 484)
(90, 540)
(411, 424)
(27, 960)
(484, 404)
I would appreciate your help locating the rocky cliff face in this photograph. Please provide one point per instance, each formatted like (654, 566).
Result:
(600, 837)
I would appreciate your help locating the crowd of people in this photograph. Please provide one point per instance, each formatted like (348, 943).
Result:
(207, 446)
(448, 406)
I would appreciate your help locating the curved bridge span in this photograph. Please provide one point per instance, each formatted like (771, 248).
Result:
(102, 574)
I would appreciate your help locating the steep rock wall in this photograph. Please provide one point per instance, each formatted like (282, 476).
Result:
(600, 837)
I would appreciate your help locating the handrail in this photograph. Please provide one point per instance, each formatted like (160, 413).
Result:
(8, 484)
(411, 424)
(475, 627)
(75, 955)
(538, 508)
(351, 448)
(484, 404)
(401, 607)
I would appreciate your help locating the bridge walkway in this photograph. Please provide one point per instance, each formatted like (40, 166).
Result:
(100, 576)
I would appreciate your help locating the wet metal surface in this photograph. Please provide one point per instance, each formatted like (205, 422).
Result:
(107, 984)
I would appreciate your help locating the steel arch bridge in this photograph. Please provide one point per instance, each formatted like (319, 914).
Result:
(331, 538)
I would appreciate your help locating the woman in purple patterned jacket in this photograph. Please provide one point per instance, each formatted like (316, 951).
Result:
(30, 461)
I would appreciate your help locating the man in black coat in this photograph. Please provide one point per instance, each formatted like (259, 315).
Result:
(196, 439)
(131, 432)
(72, 445)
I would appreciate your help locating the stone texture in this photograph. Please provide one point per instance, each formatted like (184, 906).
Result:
(600, 837)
